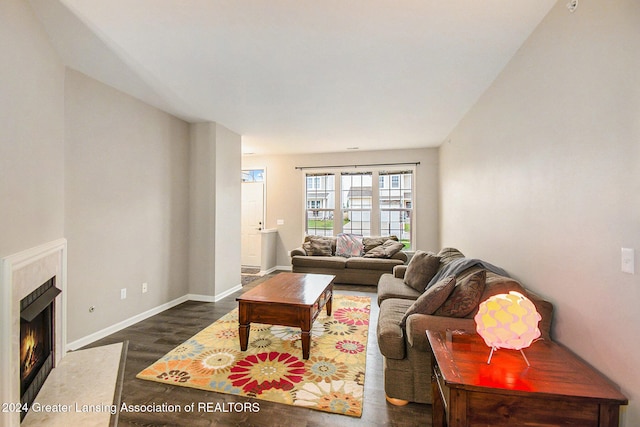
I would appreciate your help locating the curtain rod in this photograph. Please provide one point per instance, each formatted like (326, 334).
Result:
(357, 166)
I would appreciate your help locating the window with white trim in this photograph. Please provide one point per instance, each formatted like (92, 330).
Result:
(356, 190)
(371, 202)
(396, 204)
(320, 204)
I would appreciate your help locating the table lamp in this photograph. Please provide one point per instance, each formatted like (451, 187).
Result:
(508, 321)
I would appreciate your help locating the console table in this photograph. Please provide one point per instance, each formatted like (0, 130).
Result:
(557, 389)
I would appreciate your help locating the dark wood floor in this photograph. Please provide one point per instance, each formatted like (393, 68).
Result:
(152, 338)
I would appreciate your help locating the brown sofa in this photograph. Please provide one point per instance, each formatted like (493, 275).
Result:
(405, 350)
(358, 270)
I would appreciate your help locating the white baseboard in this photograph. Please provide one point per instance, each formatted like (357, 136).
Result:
(142, 316)
(214, 298)
(269, 271)
(124, 324)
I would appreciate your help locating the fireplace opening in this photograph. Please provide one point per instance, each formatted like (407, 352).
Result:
(35, 347)
(37, 317)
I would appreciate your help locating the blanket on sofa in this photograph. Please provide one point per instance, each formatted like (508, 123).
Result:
(459, 265)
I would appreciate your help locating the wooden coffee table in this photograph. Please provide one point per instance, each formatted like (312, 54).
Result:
(557, 389)
(288, 299)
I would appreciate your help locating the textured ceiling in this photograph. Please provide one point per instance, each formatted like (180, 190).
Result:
(299, 76)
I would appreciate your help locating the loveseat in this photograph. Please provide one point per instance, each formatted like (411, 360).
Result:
(406, 312)
(364, 266)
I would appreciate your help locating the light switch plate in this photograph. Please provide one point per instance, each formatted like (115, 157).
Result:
(628, 260)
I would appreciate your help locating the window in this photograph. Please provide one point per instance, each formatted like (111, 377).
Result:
(253, 175)
(369, 203)
(314, 182)
(320, 204)
(395, 204)
(356, 191)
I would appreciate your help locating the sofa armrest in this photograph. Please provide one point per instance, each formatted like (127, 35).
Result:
(399, 270)
(418, 324)
(402, 256)
(298, 251)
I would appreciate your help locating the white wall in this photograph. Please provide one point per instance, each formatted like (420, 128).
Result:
(285, 191)
(214, 231)
(31, 132)
(127, 205)
(227, 211)
(542, 177)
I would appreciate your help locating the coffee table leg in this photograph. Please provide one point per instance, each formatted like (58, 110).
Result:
(243, 326)
(243, 333)
(306, 344)
(328, 304)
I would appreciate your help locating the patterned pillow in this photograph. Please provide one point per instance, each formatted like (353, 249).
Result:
(385, 250)
(375, 241)
(317, 246)
(465, 297)
(421, 269)
(431, 299)
(349, 245)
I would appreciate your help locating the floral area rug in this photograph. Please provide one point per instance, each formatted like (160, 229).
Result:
(272, 367)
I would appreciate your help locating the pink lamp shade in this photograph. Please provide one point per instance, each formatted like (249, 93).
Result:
(508, 321)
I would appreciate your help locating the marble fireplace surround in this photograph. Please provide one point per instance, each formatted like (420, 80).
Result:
(21, 274)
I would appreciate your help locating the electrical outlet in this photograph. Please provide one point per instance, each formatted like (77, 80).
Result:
(123, 293)
(145, 288)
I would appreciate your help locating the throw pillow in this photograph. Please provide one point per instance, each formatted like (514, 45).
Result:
(374, 241)
(317, 246)
(385, 250)
(449, 254)
(349, 245)
(431, 299)
(465, 297)
(421, 269)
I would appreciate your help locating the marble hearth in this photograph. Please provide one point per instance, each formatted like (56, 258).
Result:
(21, 274)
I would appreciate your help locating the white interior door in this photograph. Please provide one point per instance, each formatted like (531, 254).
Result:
(252, 222)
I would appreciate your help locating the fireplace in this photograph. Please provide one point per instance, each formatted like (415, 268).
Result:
(29, 283)
(37, 344)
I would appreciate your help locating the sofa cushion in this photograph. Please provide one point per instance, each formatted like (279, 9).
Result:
(390, 286)
(382, 264)
(465, 296)
(431, 299)
(385, 250)
(371, 242)
(391, 339)
(317, 246)
(348, 245)
(449, 254)
(319, 261)
(422, 267)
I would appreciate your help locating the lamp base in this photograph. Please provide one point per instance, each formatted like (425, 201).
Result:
(521, 352)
